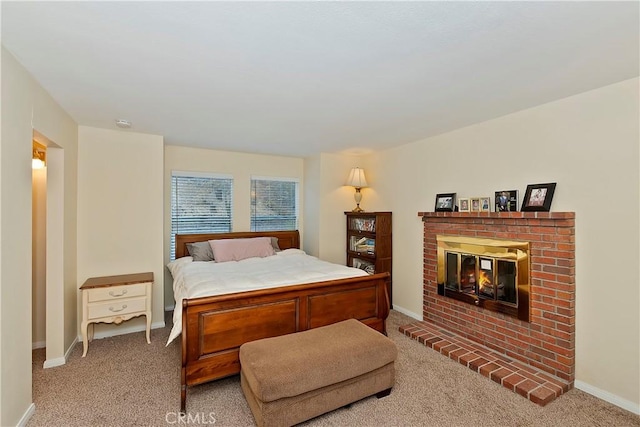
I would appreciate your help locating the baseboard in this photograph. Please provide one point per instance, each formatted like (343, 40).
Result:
(608, 397)
(52, 363)
(396, 307)
(169, 307)
(124, 329)
(27, 415)
(59, 361)
(38, 344)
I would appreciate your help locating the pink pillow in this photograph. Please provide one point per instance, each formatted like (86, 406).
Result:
(239, 249)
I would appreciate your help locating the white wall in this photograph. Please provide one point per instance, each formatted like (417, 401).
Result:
(589, 145)
(120, 212)
(241, 166)
(327, 199)
(27, 108)
(312, 205)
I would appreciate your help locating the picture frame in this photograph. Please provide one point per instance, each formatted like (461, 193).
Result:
(485, 204)
(445, 202)
(475, 204)
(506, 201)
(464, 204)
(538, 197)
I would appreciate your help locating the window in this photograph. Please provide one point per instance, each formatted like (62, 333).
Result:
(200, 203)
(274, 204)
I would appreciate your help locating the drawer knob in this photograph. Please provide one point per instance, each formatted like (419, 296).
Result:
(113, 294)
(114, 310)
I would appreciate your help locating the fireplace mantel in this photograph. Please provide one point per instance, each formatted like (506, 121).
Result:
(502, 217)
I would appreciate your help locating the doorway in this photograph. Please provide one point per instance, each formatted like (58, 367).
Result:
(48, 254)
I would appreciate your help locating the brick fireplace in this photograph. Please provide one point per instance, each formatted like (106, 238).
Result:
(535, 358)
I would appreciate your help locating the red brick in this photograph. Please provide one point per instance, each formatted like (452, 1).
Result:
(566, 262)
(563, 385)
(512, 380)
(543, 276)
(455, 355)
(566, 279)
(542, 395)
(476, 363)
(431, 341)
(568, 271)
(500, 374)
(465, 359)
(559, 334)
(544, 353)
(559, 286)
(541, 306)
(567, 361)
(559, 369)
(558, 254)
(488, 368)
(541, 290)
(524, 387)
(566, 246)
(423, 337)
(566, 304)
(448, 349)
(565, 231)
(437, 346)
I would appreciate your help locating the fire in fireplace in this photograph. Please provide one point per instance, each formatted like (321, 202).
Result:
(489, 273)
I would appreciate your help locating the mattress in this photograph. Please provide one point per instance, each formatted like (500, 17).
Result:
(193, 279)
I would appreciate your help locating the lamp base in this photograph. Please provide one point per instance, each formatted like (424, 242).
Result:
(358, 197)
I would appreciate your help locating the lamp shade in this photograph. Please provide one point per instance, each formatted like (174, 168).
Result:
(356, 178)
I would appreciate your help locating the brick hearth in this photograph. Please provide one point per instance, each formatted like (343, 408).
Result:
(535, 359)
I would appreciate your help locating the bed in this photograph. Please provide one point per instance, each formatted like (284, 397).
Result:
(214, 327)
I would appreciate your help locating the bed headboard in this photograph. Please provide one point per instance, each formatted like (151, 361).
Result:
(286, 239)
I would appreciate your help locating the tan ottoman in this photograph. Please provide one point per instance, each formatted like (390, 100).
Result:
(292, 378)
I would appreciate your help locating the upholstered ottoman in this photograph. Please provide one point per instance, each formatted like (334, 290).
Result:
(292, 378)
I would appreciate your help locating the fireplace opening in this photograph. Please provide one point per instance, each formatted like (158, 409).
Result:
(489, 273)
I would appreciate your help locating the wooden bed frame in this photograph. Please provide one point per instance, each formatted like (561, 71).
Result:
(214, 328)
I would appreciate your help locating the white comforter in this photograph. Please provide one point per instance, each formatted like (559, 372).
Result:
(192, 279)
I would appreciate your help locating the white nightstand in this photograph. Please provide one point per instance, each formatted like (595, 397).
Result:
(114, 299)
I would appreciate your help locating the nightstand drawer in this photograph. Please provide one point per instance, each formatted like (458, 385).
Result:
(117, 308)
(117, 292)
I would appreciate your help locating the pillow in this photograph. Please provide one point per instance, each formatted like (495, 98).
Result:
(239, 249)
(274, 243)
(200, 251)
(176, 265)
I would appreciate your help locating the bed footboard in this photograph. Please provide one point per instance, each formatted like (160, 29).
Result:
(214, 328)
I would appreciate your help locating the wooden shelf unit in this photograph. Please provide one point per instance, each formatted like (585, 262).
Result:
(369, 243)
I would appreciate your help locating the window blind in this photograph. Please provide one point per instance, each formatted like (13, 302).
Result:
(274, 204)
(200, 203)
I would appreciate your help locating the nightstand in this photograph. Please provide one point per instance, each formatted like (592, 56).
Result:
(115, 299)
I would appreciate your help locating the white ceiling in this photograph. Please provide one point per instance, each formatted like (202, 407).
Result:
(298, 78)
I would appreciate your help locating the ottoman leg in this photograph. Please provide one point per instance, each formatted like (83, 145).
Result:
(383, 393)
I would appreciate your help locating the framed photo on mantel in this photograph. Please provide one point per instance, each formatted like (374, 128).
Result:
(445, 202)
(538, 197)
(506, 201)
(465, 204)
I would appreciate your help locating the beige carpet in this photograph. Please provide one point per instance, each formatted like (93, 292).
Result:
(125, 382)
